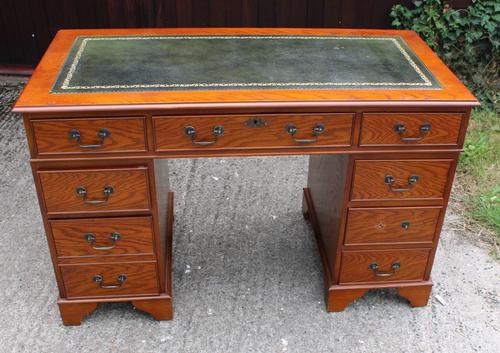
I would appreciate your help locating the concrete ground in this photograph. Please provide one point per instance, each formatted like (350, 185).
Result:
(247, 276)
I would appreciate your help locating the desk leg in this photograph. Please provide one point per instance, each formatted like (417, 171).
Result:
(73, 313)
(417, 295)
(160, 309)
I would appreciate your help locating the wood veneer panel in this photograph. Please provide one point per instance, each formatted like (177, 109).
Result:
(387, 225)
(130, 185)
(165, 209)
(369, 179)
(170, 136)
(37, 94)
(355, 265)
(378, 129)
(126, 135)
(141, 279)
(326, 188)
(136, 236)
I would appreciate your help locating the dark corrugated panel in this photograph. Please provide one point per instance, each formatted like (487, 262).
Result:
(28, 26)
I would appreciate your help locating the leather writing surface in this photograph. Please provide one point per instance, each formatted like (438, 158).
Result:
(212, 62)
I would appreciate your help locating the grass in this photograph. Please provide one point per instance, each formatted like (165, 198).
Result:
(478, 175)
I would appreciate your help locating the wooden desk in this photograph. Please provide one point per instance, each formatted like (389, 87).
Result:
(381, 117)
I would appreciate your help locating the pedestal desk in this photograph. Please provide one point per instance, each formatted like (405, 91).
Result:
(382, 118)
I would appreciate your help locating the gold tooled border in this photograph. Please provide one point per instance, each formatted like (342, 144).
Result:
(66, 83)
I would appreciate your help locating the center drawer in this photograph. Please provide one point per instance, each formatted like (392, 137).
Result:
(95, 190)
(252, 131)
(103, 236)
(97, 280)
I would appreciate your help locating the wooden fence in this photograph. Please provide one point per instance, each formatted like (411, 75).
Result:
(27, 26)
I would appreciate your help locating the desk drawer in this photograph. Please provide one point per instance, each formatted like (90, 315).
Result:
(71, 191)
(252, 131)
(383, 266)
(98, 280)
(400, 179)
(407, 129)
(90, 135)
(391, 225)
(103, 236)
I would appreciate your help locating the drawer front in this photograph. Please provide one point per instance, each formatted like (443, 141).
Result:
(407, 129)
(252, 131)
(383, 266)
(391, 225)
(99, 280)
(103, 236)
(99, 135)
(400, 179)
(67, 191)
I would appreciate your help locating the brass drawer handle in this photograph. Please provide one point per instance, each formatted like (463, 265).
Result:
(114, 237)
(82, 192)
(401, 129)
(375, 268)
(100, 280)
(317, 130)
(389, 180)
(74, 134)
(217, 131)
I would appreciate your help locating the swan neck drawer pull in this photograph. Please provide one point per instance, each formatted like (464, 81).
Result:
(401, 130)
(99, 279)
(389, 180)
(74, 134)
(317, 130)
(82, 192)
(217, 131)
(91, 238)
(375, 268)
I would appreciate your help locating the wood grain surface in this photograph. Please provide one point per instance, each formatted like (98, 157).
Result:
(369, 179)
(37, 95)
(141, 279)
(73, 313)
(130, 190)
(385, 225)
(169, 131)
(135, 232)
(326, 187)
(378, 128)
(354, 268)
(126, 135)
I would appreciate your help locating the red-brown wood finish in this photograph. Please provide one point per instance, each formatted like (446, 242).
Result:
(250, 131)
(380, 129)
(369, 179)
(130, 190)
(391, 225)
(37, 97)
(141, 279)
(71, 237)
(355, 267)
(125, 135)
(356, 216)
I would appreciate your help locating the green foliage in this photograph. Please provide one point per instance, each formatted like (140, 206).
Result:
(479, 170)
(467, 40)
(486, 208)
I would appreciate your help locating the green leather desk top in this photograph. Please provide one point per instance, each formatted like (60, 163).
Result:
(217, 62)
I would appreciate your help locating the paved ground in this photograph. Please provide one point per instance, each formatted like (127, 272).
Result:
(247, 273)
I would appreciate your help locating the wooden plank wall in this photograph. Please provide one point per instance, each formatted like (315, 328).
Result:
(27, 26)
